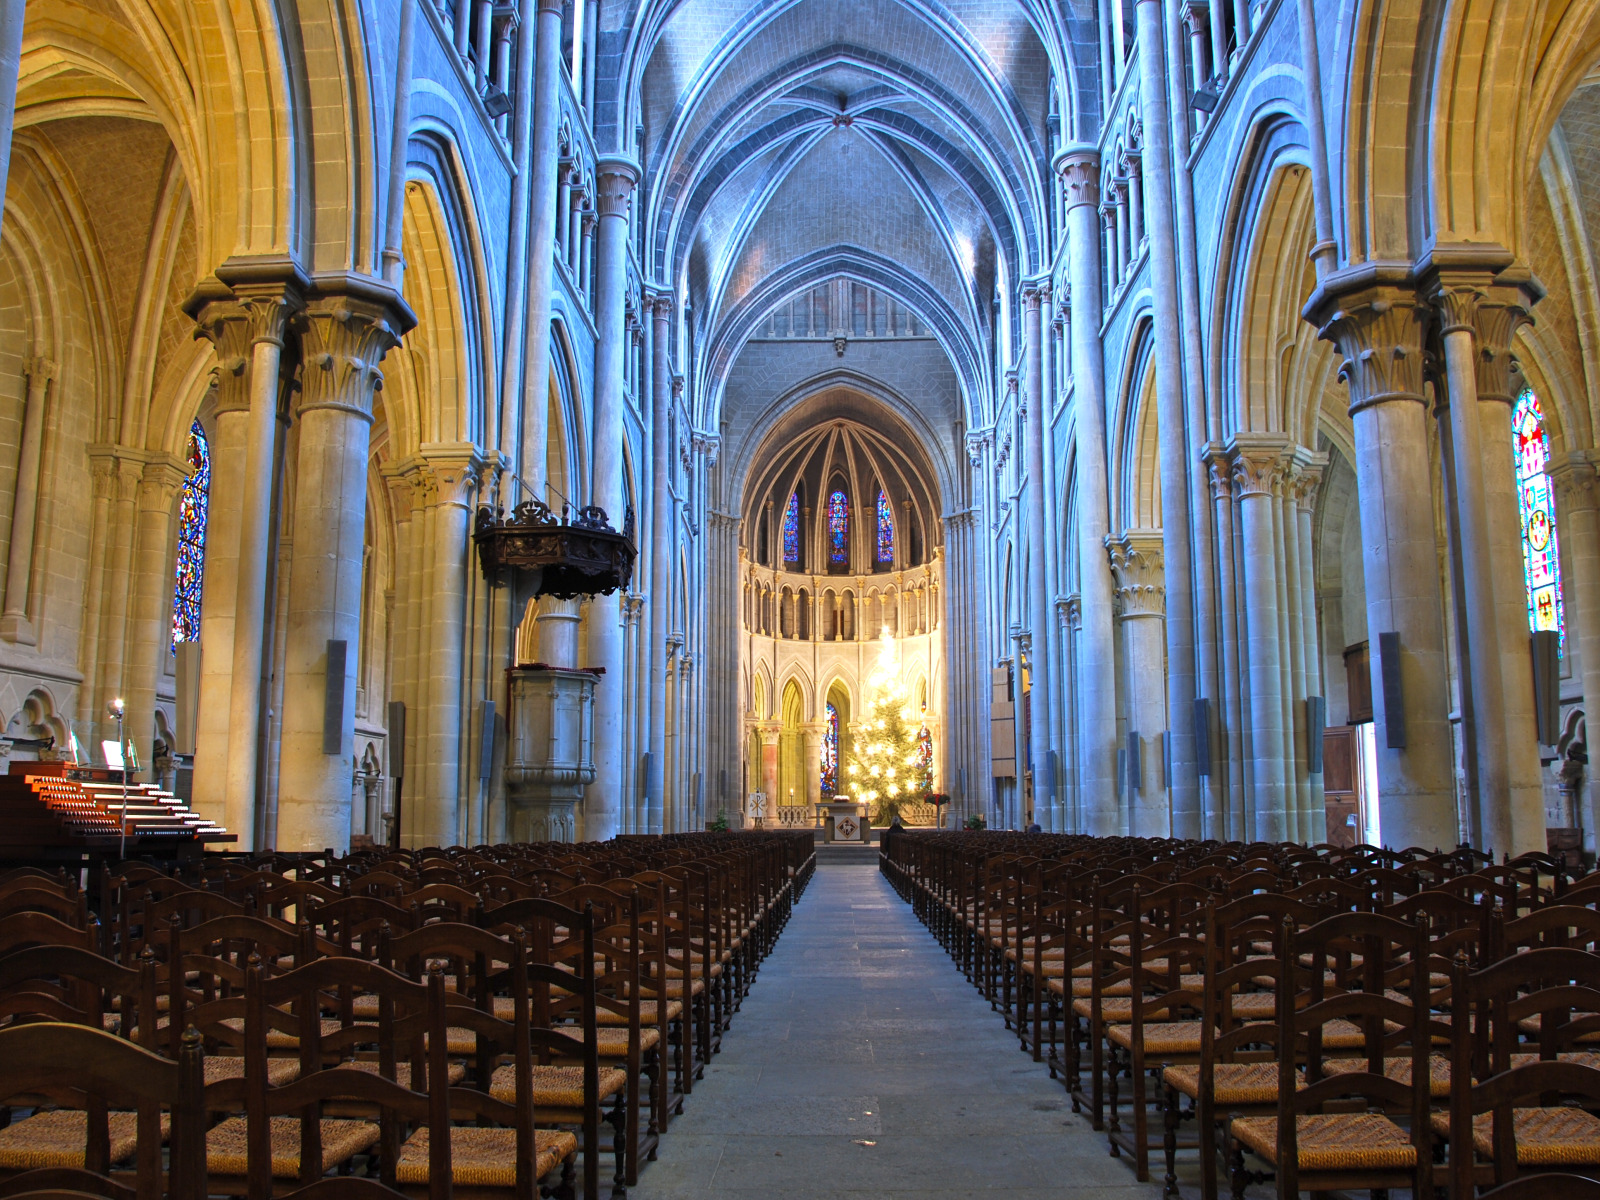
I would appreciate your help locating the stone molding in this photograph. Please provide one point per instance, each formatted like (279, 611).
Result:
(1574, 478)
(1139, 567)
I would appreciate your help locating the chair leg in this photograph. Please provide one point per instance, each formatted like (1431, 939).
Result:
(617, 1118)
(1170, 1120)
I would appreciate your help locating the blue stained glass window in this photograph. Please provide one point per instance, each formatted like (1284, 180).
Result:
(1541, 554)
(192, 512)
(885, 529)
(791, 531)
(839, 528)
(830, 752)
(925, 759)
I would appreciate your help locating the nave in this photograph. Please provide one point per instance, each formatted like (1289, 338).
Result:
(863, 1064)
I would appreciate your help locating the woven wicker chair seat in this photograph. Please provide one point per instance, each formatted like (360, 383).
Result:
(227, 1145)
(1160, 1037)
(1048, 968)
(1333, 1141)
(1233, 1083)
(1546, 1137)
(555, 1087)
(1399, 1070)
(612, 1042)
(485, 1158)
(277, 1039)
(455, 1072)
(1532, 1024)
(231, 1066)
(55, 1139)
(674, 986)
(1583, 1058)
(1117, 1008)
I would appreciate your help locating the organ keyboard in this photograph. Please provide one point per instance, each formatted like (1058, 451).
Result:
(49, 807)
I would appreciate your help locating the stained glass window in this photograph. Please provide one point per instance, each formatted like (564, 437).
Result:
(925, 759)
(839, 528)
(1541, 557)
(192, 512)
(830, 751)
(885, 530)
(791, 531)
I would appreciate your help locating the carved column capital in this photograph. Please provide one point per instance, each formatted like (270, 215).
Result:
(345, 340)
(1139, 568)
(40, 370)
(1573, 475)
(453, 469)
(1306, 471)
(160, 482)
(614, 182)
(1259, 463)
(225, 323)
(1379, 331)
(402, 490)
(1079, 170)
(1219, 470)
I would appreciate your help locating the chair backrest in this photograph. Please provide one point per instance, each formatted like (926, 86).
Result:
(71, 984)
(104, 1069)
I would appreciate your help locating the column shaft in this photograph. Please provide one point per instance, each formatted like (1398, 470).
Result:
(1257, 475)
(1039, 729)
(544, 163)
(616, 178)
(660, 557)
(149, 635)
(14, 624)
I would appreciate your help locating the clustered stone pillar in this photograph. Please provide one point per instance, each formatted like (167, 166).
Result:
(1097, 689)
(1575, 480)
(1039, 728)
(269, 293)
(345, 340)
(152, 594)
(615, 180)
(1378, 327)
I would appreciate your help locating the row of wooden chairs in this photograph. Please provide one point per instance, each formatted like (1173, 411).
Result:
(1274, 995)
(546, 1014)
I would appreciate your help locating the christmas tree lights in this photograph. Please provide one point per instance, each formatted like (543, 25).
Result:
(888, 766)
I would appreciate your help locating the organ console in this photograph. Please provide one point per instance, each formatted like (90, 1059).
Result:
(56, 810)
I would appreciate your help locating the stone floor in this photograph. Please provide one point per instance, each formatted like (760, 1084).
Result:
(864, 1063)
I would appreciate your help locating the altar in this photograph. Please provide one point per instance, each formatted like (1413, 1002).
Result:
(844, 820)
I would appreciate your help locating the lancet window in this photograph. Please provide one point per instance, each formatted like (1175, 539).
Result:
(1541, 557)
(193, 510)
(839, 530)
(830, 751)
(791, 531)
(885, 529)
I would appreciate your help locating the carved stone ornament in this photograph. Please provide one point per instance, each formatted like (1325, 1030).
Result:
(1138, 564)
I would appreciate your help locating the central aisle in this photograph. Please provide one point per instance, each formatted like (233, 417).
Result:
(863, 1062)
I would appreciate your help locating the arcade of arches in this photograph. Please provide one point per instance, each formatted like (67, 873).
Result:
(1203, 405)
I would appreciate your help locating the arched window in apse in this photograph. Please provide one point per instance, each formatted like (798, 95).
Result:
(925, 758)
(839, 529)
(791, 531)
(885, 529)
(192, 513)
(1541, 555)
(830, 751)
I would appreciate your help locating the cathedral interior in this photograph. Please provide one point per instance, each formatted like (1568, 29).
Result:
(1195, 399)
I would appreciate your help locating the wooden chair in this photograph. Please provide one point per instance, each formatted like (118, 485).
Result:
(92, 1072)
(1314, 1142)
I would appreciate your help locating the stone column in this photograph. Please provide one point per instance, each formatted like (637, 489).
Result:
(127, 470)
(1259, 464)
(14, 623)
(660, 556)
(227, 325)
(544, 162)
(11, 14)
(1097, 695)
(149, 634)
(1136, 560)
(1306, 484)
(1378, 328)
(345, 339)
(436, 798)
(1499, 313)
(1575, 479)
(1228, 768)
(813, 752)
(270, 292)
(616, 178)
(1172, 416)
(1045, 791)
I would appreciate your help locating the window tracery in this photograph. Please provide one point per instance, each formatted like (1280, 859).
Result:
(791, 531)
(885, 529)
(839, 529)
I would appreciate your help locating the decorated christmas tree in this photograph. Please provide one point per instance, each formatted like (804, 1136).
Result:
(887, 766)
